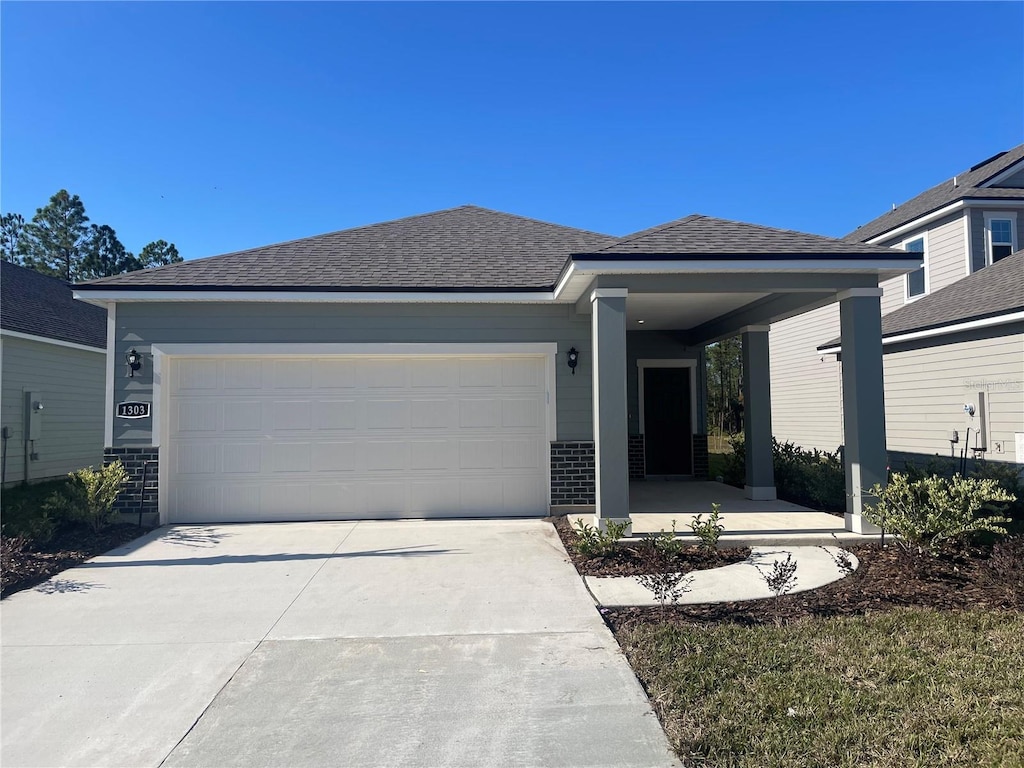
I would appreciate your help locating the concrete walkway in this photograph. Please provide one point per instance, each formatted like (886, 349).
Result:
(441, 643)
(816, 567)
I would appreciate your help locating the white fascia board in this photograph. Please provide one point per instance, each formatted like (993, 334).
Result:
(987, 322)
(55, 342)
(100, 296)
(1004, 174)
(921, 221)
(732, 266)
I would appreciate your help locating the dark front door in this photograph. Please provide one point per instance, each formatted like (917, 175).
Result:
(668, 447)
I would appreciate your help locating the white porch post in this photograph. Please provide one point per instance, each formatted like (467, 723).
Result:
(863, 400)
(608, 327)
(757, 414)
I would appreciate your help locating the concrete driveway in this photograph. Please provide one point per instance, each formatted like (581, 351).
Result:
(403, 643)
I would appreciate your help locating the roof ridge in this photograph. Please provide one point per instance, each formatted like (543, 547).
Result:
(651, 230)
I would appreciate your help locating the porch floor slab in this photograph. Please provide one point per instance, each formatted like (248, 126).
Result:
(654, 504)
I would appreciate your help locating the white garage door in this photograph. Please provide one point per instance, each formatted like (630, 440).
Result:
(317, 438)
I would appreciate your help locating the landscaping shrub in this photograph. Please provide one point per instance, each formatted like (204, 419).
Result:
(24, 514)
(710, 530)
(89, 495)
(932, 513)
(813, 478)
(593, 542)
(1009, 478)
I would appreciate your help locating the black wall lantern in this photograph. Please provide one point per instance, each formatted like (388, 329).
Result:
(134, 362)
(573, 358)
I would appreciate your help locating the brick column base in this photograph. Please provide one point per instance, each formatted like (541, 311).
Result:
(134, 461)
(701, 460)
(572, 472)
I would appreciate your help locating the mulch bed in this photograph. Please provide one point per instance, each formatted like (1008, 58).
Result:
(641, 557)
(888, 578)
(23, 566)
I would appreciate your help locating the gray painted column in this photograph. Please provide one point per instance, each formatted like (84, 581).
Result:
(863, 400)
(608, 326)
(757, 414)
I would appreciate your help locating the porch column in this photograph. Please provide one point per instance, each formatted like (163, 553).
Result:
(860, 320)
(757, 414)
(608, 327)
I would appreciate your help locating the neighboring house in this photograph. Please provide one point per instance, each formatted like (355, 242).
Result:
(944, 342)
(53, 375)
(468, 363)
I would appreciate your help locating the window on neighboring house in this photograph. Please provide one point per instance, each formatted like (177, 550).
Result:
(916, 282)
(1000, 239)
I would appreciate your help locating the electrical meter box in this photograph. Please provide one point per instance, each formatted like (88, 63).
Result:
(33, 416)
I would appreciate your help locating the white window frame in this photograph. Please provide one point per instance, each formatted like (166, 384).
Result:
(991, 216)
(907, 298)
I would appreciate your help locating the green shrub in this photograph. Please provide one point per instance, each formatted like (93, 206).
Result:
(812, 478)
(710, 530)
(935, 512)
(1009, 478)
(593, 542)
(89, 495)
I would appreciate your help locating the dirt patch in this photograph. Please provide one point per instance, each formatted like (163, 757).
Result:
(23, 566)
(640, 557)
(888, 578)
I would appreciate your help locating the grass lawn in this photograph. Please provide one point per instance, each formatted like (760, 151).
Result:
(910, 687)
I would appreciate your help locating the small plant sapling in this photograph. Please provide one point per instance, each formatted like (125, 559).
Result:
(710, 530)
(841, 558)
(666, 587)
(782, 578)
(593, 542)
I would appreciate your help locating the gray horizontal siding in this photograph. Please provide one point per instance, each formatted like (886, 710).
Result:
(71, 384)
(946, 255)
(926, 388)
(141, 325)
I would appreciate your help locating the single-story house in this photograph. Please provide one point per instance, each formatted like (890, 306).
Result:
(53, 373)
(469, 362)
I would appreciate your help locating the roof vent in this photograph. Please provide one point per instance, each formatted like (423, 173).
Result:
(894, 206)
(954, 182)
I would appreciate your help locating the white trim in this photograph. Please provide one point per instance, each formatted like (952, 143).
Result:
(730, 266)
(108, 408)
(47, 340)
(608, 293)
(160, 416)
(569, 274)
(968, 245)
(1004, 174)
(97, 295)
(920, 221)
(852, 293)
(690, 363)
(760, 492)
(987, 322)
(988, 216)
(923, 237)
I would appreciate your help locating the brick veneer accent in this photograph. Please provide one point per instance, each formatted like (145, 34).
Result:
(572, 472)
(133, 460)
(701, 462)
(637, 460)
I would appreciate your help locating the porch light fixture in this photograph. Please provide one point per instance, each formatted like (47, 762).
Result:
(134, 362)
(573, 357)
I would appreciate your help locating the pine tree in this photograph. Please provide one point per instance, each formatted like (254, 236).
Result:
(52, 243)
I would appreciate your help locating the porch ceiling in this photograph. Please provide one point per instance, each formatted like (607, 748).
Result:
(680, 311)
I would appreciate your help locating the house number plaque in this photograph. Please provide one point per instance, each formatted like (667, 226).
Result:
(132, 410)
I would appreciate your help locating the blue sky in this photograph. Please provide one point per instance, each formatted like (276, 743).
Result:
(231, 125)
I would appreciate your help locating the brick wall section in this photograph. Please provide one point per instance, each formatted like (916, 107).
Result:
(637, 463)
(572, 472)
(133, 460)
(700, 457)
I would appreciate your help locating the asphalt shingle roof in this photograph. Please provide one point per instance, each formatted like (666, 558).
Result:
(467, 248)
(699, 235)
(33, 303)
(994, 290)
(967, 185)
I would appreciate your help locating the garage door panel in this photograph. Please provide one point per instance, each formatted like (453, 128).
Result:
(386, 414)
(356, 437)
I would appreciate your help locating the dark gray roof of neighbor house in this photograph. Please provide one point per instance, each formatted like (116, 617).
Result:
(703, 236)
(968, 184)
(989, 292)
(465, 248)
(39, 305)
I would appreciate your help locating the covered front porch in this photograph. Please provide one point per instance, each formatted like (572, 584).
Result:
(655, 504)
(695, 282)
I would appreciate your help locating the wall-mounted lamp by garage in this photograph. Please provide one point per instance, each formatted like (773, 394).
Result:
(134, 362)
(573, 358)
